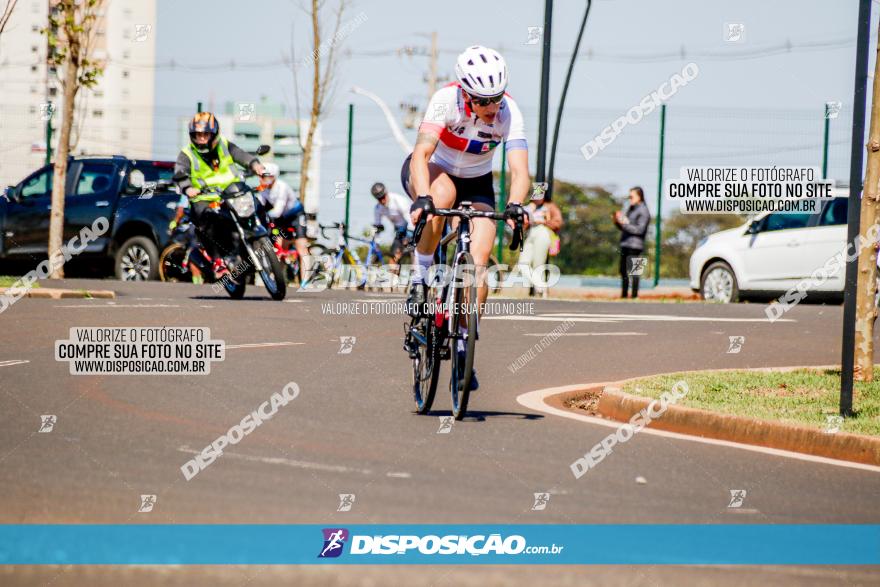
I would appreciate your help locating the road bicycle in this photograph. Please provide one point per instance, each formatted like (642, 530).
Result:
(342, 264)
(432, 336)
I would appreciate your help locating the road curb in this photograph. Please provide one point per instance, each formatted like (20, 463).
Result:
(616, 405)
(58, 294)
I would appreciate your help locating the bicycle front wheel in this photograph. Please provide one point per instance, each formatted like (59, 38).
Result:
(463, 318)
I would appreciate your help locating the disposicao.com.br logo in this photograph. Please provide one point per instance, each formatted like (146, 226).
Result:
(430, 544)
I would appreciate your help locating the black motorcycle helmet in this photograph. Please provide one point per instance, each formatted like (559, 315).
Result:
(204, 122)
(378, 190)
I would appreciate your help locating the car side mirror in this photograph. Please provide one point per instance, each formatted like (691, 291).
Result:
(754, 227)
(263, 149)
(136, 182)
(11, 194)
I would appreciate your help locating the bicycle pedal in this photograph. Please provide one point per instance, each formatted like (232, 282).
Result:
(444, 353)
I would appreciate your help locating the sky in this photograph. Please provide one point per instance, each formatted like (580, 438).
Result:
(754, 102)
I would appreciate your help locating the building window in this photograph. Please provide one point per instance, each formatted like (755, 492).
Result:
(126, 54)
(98, 113)
(35, 28)
(34, 69)
(125, 74)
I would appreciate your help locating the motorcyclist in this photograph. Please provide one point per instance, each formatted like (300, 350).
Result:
(205, 166)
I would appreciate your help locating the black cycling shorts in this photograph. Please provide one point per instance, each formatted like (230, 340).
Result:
(473, 189)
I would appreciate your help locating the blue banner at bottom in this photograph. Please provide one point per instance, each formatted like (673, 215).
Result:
(727, 544)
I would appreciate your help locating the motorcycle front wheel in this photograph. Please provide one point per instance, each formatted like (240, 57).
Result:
(270, 269)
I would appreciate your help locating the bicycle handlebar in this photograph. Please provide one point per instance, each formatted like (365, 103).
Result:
(516, 241)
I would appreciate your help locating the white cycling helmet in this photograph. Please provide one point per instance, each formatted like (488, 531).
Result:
(271, 169)
(481, 71)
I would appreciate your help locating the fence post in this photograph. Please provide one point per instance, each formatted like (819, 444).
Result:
(659, 195)
(825, 144)
(503, 197)
(348, 170)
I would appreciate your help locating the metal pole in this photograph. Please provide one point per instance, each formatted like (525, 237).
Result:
(854, 207)
(657, 221)
(825, 145)
(545, 94)
(348, 169)
(577, 47)
(49, 134)
(503, 197)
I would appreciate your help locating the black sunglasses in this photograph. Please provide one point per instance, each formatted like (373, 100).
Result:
(486, 101)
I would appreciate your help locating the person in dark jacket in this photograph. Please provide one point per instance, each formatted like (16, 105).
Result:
(633, 225)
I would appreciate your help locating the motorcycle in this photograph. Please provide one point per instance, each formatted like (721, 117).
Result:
(256, 251)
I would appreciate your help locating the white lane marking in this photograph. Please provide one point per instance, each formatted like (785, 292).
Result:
(285, 462)
(627, 318)
(400, 475)
(12, 362)
(377, 300)
(255, 345)
(115, 305)
(293, 301)
(589, 334)
(534, 400)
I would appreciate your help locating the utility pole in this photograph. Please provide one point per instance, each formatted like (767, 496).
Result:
(412, 112)
(432, 78)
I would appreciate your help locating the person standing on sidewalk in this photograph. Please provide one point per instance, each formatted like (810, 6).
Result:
(633, 225)
(545, 220)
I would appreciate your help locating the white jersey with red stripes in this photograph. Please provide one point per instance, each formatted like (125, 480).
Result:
(467, 144)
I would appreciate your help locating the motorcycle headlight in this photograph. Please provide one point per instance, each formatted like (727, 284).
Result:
(243, 205)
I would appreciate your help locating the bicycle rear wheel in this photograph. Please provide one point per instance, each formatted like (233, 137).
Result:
(172, 264)
(426, 364)
(463, 318)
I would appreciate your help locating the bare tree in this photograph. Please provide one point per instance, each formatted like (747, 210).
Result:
(7, 14)
(72, 31)
(866, 308)
(322, 79)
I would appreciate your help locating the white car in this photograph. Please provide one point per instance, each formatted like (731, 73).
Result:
(770, 254)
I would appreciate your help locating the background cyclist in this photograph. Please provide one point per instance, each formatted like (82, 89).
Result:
(395, 208)
(452, 160)
(286, 211)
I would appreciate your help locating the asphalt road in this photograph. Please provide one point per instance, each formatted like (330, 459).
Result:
(352, 431)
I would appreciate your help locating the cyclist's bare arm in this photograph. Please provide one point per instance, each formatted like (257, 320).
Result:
(518, 159)
(420, 177)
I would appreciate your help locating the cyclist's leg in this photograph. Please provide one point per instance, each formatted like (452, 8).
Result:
(301, 242)
(443, 193)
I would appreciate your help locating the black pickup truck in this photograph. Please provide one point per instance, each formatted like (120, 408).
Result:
(134, 195)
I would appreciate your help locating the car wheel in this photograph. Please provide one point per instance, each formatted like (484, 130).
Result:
(137, 260)
(719, 284)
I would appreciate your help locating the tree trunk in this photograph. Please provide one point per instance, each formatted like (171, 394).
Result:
(59, 179)
(316, 102)
(866, 309)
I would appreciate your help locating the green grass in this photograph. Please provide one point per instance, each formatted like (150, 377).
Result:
(8, 280)
(805, 397)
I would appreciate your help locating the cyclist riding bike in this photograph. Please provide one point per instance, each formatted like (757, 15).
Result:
(284, 209)
(205, 167)
(452, 162)
(395, 208)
